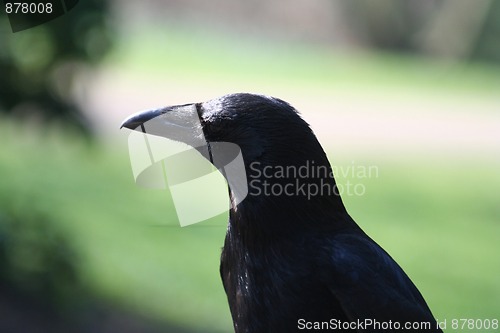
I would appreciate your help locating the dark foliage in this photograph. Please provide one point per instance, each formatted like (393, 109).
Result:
(40, 67)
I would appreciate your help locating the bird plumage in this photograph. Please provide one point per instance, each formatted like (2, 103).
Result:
(295, 258)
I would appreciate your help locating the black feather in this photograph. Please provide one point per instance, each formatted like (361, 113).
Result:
(292, 258)
(287, 258)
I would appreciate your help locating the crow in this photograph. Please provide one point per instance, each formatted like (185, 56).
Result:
(293, 258)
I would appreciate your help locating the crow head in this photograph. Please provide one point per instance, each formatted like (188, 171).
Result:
(284, 162)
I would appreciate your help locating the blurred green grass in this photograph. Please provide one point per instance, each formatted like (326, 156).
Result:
(439, 221)
(196, 55)
(132, 252)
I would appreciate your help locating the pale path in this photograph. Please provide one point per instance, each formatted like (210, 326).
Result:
(357, 121)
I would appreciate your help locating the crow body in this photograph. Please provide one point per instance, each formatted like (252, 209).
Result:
(292, 259)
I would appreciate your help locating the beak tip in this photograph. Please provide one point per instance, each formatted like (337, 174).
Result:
(128, 122)
(125, 124)
(139, 118)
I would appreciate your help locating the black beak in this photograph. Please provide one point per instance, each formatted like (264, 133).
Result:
(180, 123)
(184, 123)
(138, 119)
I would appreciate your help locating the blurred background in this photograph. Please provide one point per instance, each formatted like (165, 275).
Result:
(409, 88)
